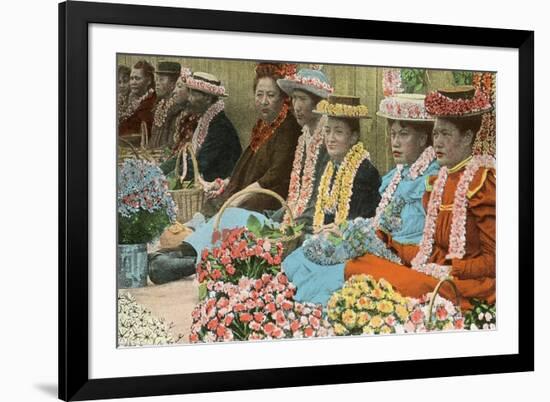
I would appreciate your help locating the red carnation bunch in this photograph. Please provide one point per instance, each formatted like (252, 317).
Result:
(254, 309)
(240, 254)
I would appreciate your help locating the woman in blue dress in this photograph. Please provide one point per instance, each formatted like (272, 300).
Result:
(305, 90)
(318, 270)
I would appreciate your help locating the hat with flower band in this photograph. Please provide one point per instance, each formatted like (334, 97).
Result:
(404, 107)
(456, 102)
(207, 83)
(342, 106)
(308, 80)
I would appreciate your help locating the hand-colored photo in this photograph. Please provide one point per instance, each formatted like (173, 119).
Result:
(263, 200)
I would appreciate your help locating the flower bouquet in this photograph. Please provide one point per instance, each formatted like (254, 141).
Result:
(444, 316)
(137, 327)
(358, 238)
(365, 306)
(481, 316)
(255, 309)
(240, 254)
(145, 207)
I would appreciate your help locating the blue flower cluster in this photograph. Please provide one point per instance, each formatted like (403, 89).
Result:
(358, 238)
(142, 186)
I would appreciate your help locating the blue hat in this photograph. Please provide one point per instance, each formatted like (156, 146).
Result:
(312, 81)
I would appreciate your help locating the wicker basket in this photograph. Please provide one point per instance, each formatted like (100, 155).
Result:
(290, 243)
(129, 149)
(188, 200)
(435, 293)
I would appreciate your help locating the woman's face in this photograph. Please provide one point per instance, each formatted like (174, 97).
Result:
(268, 99)
(124, 84)
(303, 105)
(450, 145)
(138, 82)
(164, 85)
(407, 142)
(181, 92)
(338, 138)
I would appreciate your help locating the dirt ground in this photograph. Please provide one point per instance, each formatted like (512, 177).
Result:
(172, 301)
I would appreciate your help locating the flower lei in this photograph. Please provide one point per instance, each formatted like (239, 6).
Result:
(185, 127)
(133, 105)
(338, 198)
(391, 81)
(204, 122)
(440, 105)
(161, 111)
(263, 131)
(340, 109)
(300, 190)
(457, 238)
(417, 169)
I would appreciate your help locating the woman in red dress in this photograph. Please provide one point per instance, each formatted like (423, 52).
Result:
(459, 233)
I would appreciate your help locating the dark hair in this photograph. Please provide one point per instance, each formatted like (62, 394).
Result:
(422, 126)
(123, 70)
(148, 71)
(353, 124)
(466, 123)
(315, 98)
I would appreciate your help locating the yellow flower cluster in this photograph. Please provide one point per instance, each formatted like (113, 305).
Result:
(342, 110)
(338, 198)
(367, 306)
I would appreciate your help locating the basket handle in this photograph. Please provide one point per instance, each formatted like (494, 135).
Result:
(265, 191)
(144, 135)
(132, 148)
(435, 293)
(181, 154)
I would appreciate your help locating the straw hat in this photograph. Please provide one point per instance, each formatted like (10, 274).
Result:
(460, 101)
(342, 106)
(308, 80)
(207, 83)
(405, 107)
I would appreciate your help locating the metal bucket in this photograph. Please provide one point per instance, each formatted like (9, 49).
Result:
(132, 266)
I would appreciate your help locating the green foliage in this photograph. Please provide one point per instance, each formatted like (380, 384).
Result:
(463, 77)
(413, 80)
(141, 227)
(269, 230)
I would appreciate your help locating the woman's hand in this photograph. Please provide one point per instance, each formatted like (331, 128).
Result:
(331, 228)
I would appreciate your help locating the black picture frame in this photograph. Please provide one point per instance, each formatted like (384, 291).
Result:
(74, 19)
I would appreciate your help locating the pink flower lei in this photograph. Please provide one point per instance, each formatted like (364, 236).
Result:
(201, 131)
(311, 82)
(457, 237)
(204, 122)
(301, 187)
(417, 169)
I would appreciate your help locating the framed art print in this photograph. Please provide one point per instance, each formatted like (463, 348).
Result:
(258, 201)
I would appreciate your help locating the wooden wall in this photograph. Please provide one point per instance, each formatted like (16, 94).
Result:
(238, 75)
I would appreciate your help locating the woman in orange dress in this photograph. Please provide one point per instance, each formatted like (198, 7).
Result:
(459, 232)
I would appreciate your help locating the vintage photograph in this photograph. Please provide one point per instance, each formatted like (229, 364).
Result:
(267, 200)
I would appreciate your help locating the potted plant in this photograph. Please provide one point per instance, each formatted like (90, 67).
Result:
(145, 209)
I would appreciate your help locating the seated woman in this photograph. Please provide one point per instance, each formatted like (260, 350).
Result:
(139, 106)
(215, 141)
(459, 232)
(266, 163)
(399, 217)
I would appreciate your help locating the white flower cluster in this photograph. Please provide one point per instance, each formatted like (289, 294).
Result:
(137, 327)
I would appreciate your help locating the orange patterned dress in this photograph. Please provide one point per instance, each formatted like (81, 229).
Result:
(475, 273)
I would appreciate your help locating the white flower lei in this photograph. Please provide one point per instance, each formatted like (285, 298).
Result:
(457, 237)
(161, 111)
(299, 191)
(133, 105)
(417, 169)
